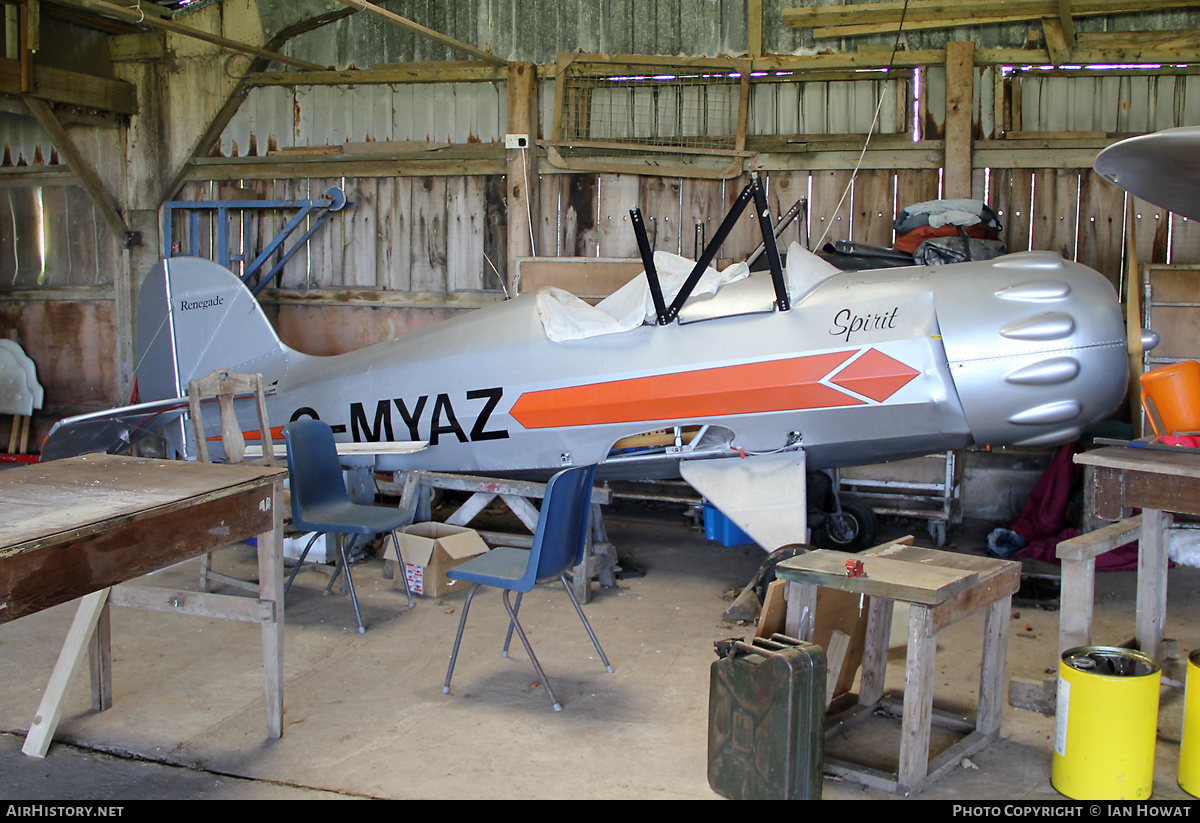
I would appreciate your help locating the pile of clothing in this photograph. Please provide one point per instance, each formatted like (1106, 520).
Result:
(932, 233)
(936, 232)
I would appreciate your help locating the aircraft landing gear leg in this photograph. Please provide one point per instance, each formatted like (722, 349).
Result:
(847, 524)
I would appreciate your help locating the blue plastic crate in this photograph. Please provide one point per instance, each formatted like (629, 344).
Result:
(720, 528)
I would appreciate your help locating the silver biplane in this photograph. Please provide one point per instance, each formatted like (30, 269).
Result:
(749, 381)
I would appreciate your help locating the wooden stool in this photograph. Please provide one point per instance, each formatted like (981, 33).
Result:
(942, 588)
(1078, 557)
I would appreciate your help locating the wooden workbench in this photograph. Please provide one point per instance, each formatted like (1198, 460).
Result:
(1157, 482)
(79, 527)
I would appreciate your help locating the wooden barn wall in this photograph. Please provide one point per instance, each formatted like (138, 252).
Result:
(56, 262)
(447, 234)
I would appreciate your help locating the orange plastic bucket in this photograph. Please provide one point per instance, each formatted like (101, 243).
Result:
(1171, 397)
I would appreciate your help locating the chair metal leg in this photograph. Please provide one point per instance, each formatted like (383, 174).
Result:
(349, 584)
(512, 616)
(400, 563)
(508, 636)
(300, 562)
(586, 624)
(462, 624)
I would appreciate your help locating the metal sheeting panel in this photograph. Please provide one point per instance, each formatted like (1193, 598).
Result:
(537, 30)
(274, 117)
(828, 107)
(1110, 104)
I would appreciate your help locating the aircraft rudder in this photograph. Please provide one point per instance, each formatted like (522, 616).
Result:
(195, 316)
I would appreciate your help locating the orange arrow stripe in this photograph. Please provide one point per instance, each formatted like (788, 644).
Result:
(776, 385)
(875, 375)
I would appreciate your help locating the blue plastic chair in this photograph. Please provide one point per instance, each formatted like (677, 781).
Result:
(558, 544)
(321, 504)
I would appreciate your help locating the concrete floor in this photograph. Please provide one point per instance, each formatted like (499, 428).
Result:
(366, 717)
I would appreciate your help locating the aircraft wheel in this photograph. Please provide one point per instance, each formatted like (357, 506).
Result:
(852, 531)
(766, 572)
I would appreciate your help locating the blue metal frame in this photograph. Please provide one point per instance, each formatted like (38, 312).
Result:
(334, 200)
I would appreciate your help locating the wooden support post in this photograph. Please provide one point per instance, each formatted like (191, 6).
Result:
(875, 650)
(521, 183)
(918, 699)
(992, 666)
(960, 85)
(1152, 581)
(754, 21)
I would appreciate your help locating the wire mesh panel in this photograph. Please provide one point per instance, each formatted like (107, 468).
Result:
(604, 108)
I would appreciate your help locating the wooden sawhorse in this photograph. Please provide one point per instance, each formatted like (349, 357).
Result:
(941, 588)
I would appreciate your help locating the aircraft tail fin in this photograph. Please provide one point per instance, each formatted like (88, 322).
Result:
(195, 316)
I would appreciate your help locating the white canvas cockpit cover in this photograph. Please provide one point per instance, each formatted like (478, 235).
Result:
(565, 317)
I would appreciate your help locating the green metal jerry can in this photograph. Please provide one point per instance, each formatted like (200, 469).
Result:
(766, 711)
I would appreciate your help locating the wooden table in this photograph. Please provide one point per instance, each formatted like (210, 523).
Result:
(1157, 482)
(78, 527)
(941, 588)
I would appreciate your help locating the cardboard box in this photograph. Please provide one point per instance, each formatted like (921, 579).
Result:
(321, 551)
(432, 549)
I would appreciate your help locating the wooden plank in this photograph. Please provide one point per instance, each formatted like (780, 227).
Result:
(659, 200)
(960, 84)
(916, 186)
(835, 656)
(393, 254)
(1101, 226)
(1095, 543)
(465, 233)
(784, 188)
(1152, 580)
(428, 227)
(701, 210)
(582, 276)
(200, 604)
(1180, 466)
(37, 741)
(883, 576)
(830, 207)
(1055, 210)
(614, 234)
(746, 234)
(1013, 201)
(920, 667)
(874, 215)
(358, 229)
(57, 85)
(771, 618)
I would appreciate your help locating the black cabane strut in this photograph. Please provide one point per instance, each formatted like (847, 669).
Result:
(753, 191)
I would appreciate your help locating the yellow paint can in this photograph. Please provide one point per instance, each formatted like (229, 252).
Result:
(1189, 747)
(1106, 724)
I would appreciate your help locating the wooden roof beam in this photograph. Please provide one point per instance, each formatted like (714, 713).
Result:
(437, 37)
(136, 17)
